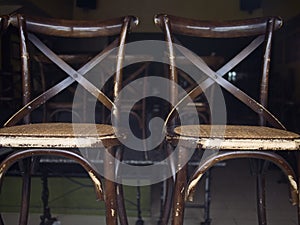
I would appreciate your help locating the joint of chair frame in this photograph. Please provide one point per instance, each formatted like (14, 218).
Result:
(277, 23)
(134, 21)
(159, 18)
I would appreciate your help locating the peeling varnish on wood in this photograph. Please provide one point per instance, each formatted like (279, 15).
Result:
(113, 212)
(240, 144)
(191, 187)
(51, 142)
(293, 182)
(177, 212)
(2, 170)
(96, 181)
(294, 192)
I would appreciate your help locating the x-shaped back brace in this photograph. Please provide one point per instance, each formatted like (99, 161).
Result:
(217, 77)
(73, 76)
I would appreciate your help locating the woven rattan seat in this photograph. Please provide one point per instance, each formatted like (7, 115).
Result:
(63, 135)
(235, 132)
(63, 130)
(238, 137)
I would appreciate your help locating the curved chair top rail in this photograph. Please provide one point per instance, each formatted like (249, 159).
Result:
(74, 28)
(217, 29)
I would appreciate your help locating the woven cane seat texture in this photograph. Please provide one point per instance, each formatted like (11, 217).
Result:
(237, 137)
(234, 131)
(65, 135)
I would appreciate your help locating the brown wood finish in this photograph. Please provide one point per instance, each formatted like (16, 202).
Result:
(51, 137)
(74, 28)
(216, 29)
(237, 139)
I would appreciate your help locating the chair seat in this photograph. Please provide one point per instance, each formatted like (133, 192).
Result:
(62, 135)
(237, 137)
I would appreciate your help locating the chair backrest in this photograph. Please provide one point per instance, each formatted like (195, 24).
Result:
(258, 32)
(30, 30)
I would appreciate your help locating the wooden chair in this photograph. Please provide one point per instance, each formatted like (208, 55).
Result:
(241, 139)
(30, 141)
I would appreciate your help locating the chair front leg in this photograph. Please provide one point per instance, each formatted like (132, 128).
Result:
(110, 187)
(180, 186)
(261, 192)
(261, 199)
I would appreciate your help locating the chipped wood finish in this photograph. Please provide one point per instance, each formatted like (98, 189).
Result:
(180, 187)
(238, 144)
(216, 29)
(239, 140)
(235, 137)
(58, 135)
(111, 195)
(54, 136)
(75, 28)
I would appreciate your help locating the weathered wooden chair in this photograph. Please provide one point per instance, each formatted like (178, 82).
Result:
(220, 140)
(30, 141)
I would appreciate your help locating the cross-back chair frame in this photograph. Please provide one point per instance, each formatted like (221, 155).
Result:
(263, 28)
(26, 27)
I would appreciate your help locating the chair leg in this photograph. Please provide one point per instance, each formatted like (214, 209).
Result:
(179, 190)
(110, 188)
(178, 204)
(121, 205)
(261, 199)
(25, 166)
(261, 167)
